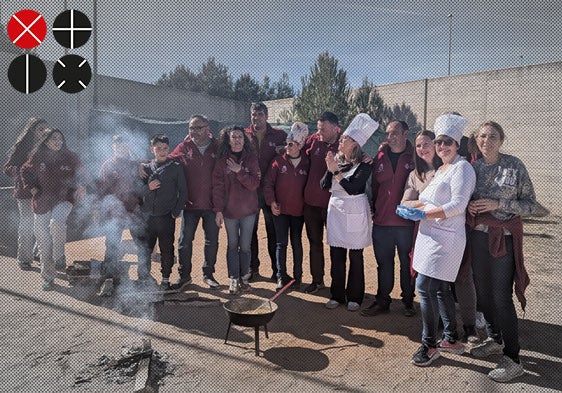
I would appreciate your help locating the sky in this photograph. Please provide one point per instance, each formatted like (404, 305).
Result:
(386, 41)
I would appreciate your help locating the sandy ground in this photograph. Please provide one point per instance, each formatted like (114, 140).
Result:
(49, 338)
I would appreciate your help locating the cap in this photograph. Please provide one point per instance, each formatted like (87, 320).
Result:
(361, 128)
(450, 125)
(298, 133)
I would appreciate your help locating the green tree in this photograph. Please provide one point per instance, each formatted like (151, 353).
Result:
(246, 88)
(401, 112)
(325, 89)
(215, 79)
(366, 99)
(180, 78)
(283, 88)
(267, 92)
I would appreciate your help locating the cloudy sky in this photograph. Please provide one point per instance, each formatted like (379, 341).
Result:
(387, 41)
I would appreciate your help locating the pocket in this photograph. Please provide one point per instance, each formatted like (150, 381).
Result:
(356, 222)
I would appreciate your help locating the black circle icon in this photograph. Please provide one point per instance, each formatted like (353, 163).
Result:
(27, 73)
(72, 29)
(72, 73)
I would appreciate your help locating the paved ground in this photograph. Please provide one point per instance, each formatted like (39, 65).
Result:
(48, 338)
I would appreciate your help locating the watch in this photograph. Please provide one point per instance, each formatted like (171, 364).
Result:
(336, 173)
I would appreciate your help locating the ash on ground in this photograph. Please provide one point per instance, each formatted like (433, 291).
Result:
(123, 369)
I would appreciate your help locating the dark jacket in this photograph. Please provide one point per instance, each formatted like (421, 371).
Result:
(235, 194)
(198, 170)
(273, 139)
(388, 186)
(284, 184)
(316, 150)
(170, 197)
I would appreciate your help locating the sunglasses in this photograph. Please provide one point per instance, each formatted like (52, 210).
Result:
(446, 142)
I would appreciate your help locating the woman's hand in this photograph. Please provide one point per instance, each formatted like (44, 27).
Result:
(153, 185)
(331, 162)
(219, 219)
(233, 165)
(480, 206)
(275, 208)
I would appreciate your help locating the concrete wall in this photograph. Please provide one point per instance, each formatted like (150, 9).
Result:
(526, 101)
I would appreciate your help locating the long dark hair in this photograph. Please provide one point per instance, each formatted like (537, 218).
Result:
(20, 151)
(420, 166)
(224, 141)
(42, 145)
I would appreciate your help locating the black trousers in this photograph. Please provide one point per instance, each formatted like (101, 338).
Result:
(161, 228)
(354, 291)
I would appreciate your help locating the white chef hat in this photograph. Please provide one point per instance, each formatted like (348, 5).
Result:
(361, 128)
(451, 125)
(298, 133)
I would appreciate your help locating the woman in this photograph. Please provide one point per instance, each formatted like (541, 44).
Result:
(441, 239)
(503, 194)
(51, 176)
(18, 155)
(284, 191)
(426, 162)
(348, 223)
(236, 178)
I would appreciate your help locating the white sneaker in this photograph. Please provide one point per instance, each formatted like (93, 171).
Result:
(487, 348)
(506, 370)
(353, 306)
(233, 289)
(106, 288)
(332, 304)
(210, 281)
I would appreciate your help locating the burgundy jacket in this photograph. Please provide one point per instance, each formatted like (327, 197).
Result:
(198, 170)
(273, 139)
(388, 186)
(316, 150)
(54, 174)
(284, 184)
(235, 194)
(120, 177)
(14, 171)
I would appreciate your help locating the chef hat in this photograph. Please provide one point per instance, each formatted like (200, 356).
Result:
(451, 125)
(298, 133)
(361, 128)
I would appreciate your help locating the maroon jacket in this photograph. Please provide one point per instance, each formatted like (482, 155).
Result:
(13, 170)
(388, 186)
(235, 194)
(273, 139)
(316, 150)
(198, 170)
(54, 174)
(120, 177)
(284, 184)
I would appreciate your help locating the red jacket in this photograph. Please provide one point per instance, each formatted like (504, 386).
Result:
(120, 177)
(284, 184)
(388, 186)
(14, 171)
(316, 150)
(198, 170)
(54, 174)
(235, 194)
(273, 139)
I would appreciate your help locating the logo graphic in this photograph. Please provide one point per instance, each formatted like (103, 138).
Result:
(72, 73)
(27, 29)
(27, 73)
(72, 29)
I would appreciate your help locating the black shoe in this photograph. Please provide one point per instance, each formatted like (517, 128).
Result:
(25, 266)
(314, 287)
(409, 310)
(425, 355)
(296, 286)
(254, 275)
(181, 284)
(281, 282)
(165, 286)
(375, 309)
(274, 277)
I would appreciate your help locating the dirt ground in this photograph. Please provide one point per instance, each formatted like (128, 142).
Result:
(50, 338)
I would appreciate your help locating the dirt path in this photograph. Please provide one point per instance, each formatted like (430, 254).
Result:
(48, 338)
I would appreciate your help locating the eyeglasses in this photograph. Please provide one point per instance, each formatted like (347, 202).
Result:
(446, 142)
(291, 144)
(195, 128)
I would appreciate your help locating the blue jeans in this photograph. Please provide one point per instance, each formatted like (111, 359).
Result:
(189, 225)
(271, 238)
(239, 238)
(284, 224)
(385, 241)
(436, 299)
(493, 279)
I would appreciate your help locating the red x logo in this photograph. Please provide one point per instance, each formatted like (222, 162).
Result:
(27, 29)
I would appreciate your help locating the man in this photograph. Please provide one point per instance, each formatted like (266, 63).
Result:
(197, 154)
(267, 143)
(315, 198)
(391, 168)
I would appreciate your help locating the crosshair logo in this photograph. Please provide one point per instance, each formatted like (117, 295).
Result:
(72, 73)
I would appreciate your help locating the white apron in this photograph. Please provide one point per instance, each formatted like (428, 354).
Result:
(348, 224)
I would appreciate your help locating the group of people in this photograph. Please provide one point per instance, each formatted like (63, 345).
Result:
(453, 218)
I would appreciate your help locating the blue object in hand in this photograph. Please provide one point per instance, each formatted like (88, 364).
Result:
(410, 213)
